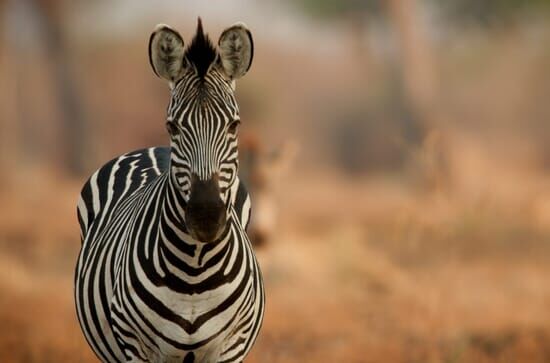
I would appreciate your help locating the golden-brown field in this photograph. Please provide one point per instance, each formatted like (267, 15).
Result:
(362, 271)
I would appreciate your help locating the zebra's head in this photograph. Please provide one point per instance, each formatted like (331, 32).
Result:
(203, 119)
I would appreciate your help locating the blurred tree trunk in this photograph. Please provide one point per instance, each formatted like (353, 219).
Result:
(358, 27)
(419, 77)
(34, 42)
(417, 63)
(74, 128)
(9, 151)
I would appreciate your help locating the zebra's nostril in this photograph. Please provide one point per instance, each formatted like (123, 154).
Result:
(189, 358)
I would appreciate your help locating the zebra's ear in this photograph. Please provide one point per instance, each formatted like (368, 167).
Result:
(236, 50)
(166, 49)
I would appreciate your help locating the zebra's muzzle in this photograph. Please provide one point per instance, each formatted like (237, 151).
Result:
(205, 213)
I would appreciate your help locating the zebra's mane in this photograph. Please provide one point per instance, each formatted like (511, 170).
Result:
(201, 53)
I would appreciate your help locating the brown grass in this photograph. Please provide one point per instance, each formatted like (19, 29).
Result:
(404, 277)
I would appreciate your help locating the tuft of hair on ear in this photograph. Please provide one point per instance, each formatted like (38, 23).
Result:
(201, 53)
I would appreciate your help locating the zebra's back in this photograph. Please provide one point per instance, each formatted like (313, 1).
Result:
(119, 178)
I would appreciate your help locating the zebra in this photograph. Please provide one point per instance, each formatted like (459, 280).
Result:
(166, 272)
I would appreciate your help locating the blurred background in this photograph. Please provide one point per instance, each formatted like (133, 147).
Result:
(397, 151)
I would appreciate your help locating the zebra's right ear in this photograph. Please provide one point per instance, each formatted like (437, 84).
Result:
(236, 50)
(166, 49)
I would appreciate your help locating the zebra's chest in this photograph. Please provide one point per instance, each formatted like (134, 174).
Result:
(176, 323)
(200, 328)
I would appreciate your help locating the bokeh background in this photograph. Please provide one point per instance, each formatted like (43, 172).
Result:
(398, 154)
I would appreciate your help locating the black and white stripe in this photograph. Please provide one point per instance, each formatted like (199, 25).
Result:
(146, 290)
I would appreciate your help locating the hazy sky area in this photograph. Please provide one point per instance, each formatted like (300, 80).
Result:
(90, 18)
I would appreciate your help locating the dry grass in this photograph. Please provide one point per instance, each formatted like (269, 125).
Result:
(383, 274)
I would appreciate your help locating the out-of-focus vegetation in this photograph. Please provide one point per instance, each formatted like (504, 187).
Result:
(492, 12)
(483, 12)
(333, 8)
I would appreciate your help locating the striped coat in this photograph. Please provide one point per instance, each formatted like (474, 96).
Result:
(150, 285)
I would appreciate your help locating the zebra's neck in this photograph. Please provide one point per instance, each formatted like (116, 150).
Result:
(177, 252)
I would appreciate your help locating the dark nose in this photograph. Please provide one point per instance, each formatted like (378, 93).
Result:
(205, 213)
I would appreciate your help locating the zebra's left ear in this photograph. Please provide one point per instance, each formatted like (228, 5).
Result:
(236, 51)
(166, 50)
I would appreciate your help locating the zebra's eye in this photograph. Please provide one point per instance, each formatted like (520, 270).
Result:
(172, 128)
(233, 127)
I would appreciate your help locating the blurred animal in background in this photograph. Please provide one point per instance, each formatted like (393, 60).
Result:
(166, 272)
(261, 170)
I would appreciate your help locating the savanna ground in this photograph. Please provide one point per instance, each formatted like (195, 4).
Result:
(377, 272)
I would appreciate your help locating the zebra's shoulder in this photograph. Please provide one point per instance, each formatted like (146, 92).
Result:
(119, 177)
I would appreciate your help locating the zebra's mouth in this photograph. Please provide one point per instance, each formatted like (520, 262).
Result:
(205, 213)
(206, 222)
